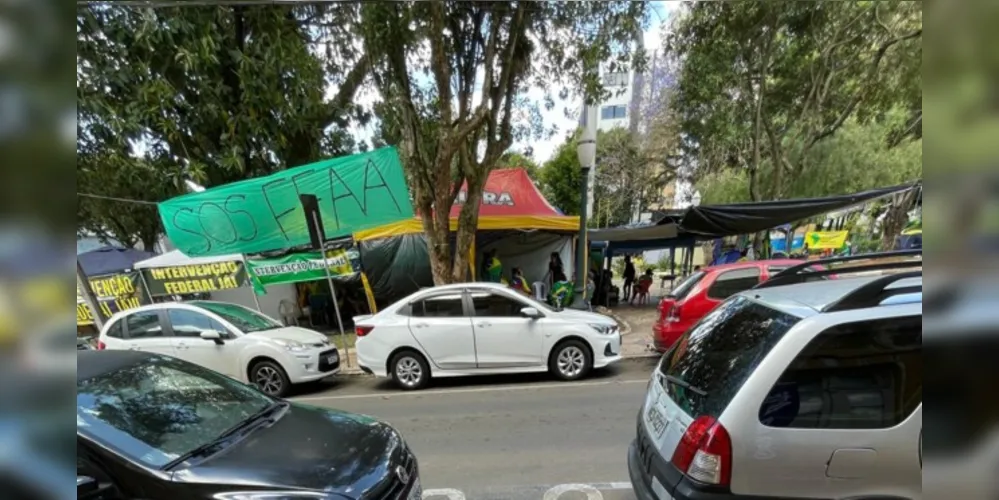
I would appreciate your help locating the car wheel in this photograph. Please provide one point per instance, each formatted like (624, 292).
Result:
(410, 370)
(570, 360)
(270, 378)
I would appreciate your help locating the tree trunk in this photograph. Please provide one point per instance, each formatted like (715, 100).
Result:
(896, 218)
(468, 222)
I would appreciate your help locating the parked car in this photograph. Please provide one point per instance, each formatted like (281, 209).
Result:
(481, 329)
(156, 427)
(794, 389)
(228, 338)
(702, 291)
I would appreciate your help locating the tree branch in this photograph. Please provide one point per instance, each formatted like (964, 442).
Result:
(345, 94)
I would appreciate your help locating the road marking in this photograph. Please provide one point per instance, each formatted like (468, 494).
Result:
(475, 390)
(591, 493)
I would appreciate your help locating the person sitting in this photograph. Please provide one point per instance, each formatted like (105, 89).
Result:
(518, 282)
(642, 287)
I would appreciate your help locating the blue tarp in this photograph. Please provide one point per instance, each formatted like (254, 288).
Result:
(108, 259)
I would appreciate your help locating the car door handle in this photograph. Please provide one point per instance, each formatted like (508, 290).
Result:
(133, 347)
(420, 325)
(483, 324)
(182, 345)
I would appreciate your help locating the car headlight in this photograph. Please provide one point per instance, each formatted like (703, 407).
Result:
(292, 345)
(603, 328)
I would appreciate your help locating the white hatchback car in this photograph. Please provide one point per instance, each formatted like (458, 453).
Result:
(481, 329)
(228, 338)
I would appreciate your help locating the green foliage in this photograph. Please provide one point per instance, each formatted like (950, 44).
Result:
(855, 159)
(514, 159)
(625, 177)
(214, 94)
(771, 81)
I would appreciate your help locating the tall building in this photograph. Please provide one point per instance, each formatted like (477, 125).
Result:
(616, 110)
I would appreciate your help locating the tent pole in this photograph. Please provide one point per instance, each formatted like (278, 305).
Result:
(142, 279)
(83, 284)
(329, 279)
(246, 268)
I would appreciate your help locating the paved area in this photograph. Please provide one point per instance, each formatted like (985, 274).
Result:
(513, 437)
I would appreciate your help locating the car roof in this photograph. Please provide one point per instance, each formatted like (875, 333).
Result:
(811, 298)
(91, 363)
(753, 263)
(462, 286)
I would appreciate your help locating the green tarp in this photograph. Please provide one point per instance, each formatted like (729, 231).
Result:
(264, 214)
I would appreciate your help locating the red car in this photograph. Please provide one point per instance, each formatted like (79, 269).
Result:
(697, 295)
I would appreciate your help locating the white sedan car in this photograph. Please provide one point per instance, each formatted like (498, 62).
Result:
(228, 338)
(481, 329)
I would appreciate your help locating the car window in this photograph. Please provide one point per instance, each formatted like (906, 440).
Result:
(439, 306)
(718, 354)
(115, 330)
(144, 324)
(157, 410)
(186, 323)
(732, 282)
(681, 290)
(864, 375)
(244, 318)
(496, 306)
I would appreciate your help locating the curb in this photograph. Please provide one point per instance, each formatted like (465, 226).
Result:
(625, 326)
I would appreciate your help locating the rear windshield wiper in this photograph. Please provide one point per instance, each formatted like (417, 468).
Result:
(210, 447)
(680, 382)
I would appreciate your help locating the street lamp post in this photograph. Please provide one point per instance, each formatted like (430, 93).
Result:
(587, 152)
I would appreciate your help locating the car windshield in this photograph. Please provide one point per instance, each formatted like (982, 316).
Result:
(162, 408)
(244, 318)
(715, 357)
(685, 286)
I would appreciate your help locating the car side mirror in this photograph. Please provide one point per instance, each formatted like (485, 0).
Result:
(530, 312)
(213, 336)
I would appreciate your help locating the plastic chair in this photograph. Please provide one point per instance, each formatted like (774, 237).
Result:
(643, 293)
(540, 289)
(289, 312)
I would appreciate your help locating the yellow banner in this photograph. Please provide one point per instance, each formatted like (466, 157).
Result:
(116, 292)
(826, 240)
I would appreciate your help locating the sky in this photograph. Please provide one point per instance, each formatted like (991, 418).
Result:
(543, 149)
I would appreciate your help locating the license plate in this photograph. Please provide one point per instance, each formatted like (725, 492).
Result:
(332, 358)
(657, 423)
(416, 492)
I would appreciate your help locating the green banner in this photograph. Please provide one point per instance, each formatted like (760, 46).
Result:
(298, 267)
(264, 214)
(195, 278)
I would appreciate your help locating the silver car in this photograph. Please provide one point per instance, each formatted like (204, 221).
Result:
(795, 389)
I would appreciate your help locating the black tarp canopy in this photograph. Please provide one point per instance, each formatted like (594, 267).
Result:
(683, 228)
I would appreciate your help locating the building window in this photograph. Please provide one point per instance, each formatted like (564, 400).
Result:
(613, 112)
(616, 79)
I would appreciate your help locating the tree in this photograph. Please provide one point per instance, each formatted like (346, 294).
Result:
(771, 81)
(625, 179)
(514, 159)
(212, 94)
(454, 75)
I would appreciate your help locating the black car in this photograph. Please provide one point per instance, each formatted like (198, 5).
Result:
(155, 427)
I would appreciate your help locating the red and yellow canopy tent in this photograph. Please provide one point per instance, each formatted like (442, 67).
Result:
(514, 218)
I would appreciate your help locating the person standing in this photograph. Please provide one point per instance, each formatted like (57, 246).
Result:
(629, 276)
(495, 268)
(556, 272)
(518, 282)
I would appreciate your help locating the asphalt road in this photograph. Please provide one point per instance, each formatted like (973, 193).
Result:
(514, 437)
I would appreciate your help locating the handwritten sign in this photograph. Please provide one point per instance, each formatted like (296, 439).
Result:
(116, 292)
(264, 214)
(195, 278)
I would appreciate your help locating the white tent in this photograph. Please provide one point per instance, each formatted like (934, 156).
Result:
(178, 258)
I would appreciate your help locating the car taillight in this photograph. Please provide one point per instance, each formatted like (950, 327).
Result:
(362, 330)
(705, 452)
(101, 346)
(674, 314)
